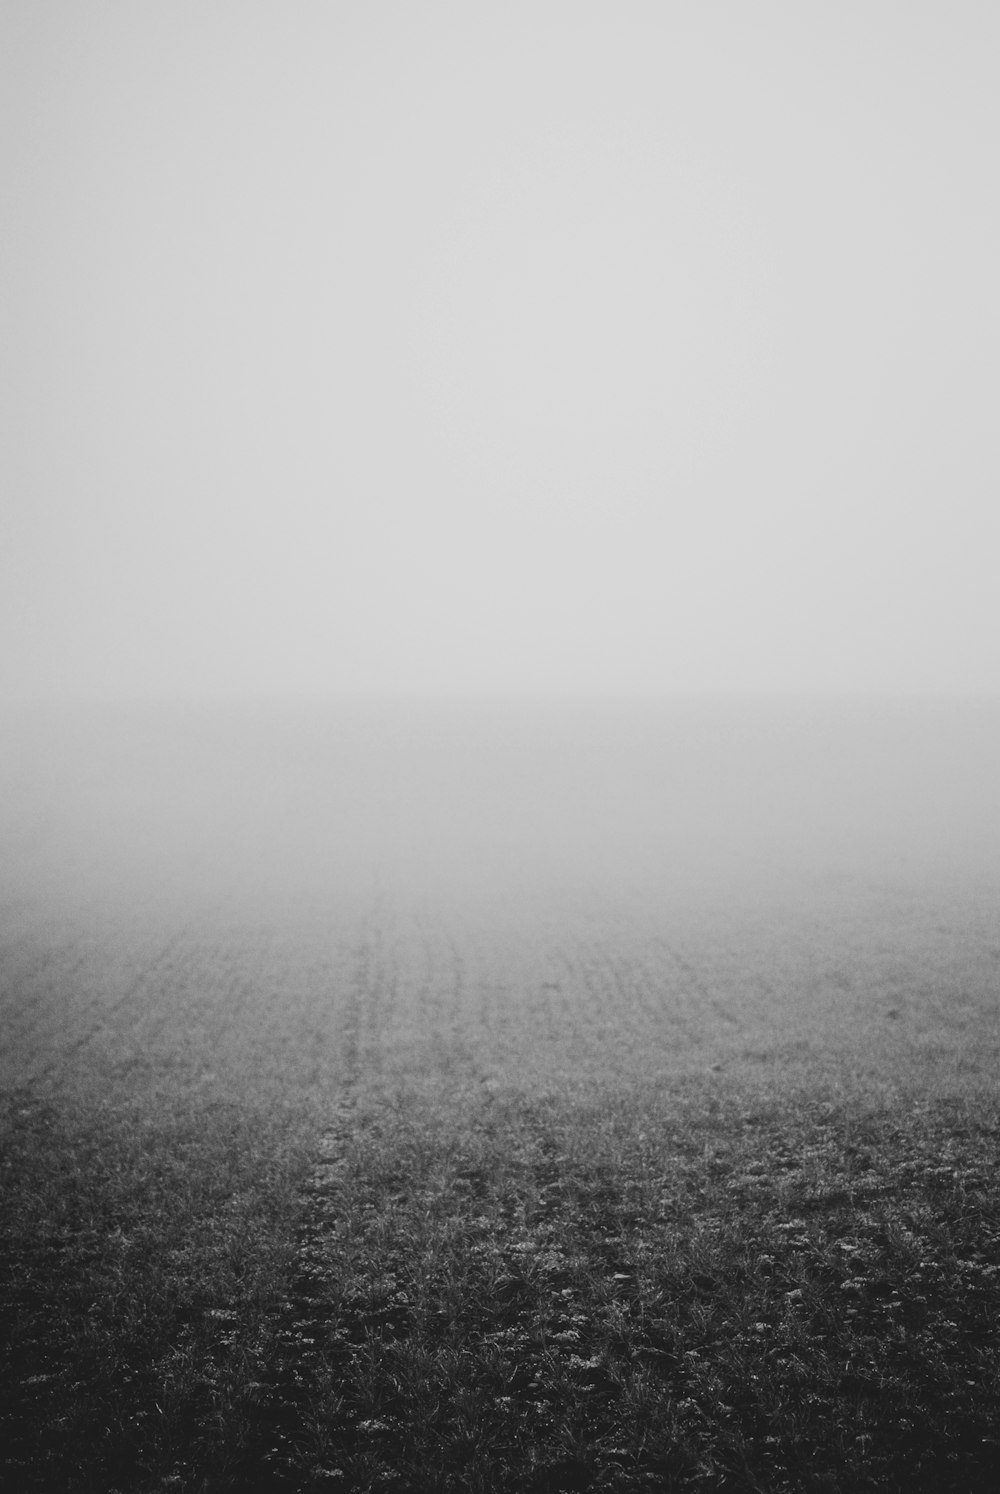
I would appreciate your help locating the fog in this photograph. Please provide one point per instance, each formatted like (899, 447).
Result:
(492, 350)
(501, 449)
(512, 813)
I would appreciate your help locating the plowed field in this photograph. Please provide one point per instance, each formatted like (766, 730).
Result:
(411, 1097)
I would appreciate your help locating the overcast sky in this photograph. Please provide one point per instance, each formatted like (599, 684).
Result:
(499, 346)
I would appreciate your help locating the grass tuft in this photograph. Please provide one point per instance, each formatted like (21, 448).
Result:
(617, 1293)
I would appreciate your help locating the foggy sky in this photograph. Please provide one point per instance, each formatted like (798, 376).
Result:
(524, 346)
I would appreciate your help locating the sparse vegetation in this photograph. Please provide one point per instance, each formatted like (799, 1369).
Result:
(141, 1258)
(647, 1290)
(435, 1192)
(475, 1288)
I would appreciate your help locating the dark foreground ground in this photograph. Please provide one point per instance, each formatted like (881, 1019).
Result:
(512, 1101)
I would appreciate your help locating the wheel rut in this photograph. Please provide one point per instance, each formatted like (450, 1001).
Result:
(303, 1350)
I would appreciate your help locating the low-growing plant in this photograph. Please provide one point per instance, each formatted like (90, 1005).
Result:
(742, 1299)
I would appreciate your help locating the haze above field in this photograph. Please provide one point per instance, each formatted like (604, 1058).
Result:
(503, 813)
(538, 347)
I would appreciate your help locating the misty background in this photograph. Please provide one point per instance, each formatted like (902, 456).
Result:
(505, 448)
(527, 348)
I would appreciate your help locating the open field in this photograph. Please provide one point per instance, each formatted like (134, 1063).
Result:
(476, 1099)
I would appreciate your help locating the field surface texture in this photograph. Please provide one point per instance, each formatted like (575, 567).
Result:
(522, 1098)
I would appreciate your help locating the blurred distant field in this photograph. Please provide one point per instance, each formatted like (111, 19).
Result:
(309, 1011)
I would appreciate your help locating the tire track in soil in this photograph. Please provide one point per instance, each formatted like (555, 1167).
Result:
(296, 1363)
(304, 1356)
